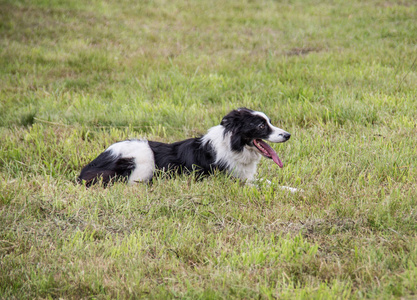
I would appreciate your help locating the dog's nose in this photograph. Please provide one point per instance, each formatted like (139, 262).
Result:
(286, 136)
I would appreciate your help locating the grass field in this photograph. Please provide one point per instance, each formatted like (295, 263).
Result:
(341, 76)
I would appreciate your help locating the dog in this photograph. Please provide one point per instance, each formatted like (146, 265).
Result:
(235, 147)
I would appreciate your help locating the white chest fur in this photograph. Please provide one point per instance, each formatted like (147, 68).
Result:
(239, 164)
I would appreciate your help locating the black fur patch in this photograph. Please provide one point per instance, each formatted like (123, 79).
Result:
(184, 156)
(106, 168)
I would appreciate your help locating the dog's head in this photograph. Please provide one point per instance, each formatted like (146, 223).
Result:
(249, 128)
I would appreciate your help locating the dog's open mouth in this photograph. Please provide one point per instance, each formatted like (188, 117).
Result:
(267, 151)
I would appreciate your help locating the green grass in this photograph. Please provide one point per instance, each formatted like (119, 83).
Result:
(341, 76)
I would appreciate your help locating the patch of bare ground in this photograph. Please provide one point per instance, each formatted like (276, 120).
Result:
(303, 51)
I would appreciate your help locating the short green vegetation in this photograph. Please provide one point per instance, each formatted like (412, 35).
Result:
(341, 76)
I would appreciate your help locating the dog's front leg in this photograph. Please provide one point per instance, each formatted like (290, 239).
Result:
(267, 182)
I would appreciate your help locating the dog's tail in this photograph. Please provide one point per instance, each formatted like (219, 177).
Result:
(106, 168)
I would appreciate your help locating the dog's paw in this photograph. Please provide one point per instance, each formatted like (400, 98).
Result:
(265, 182)
(291, 189)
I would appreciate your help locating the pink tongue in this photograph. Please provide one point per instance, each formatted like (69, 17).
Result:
(271, 152)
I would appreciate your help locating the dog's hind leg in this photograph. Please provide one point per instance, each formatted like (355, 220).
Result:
(144, 167)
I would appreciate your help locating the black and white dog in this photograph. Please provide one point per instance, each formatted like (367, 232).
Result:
(234, 146)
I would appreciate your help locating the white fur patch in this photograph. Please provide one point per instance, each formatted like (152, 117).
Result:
(269, 183)
(239, 164)
(142, 154)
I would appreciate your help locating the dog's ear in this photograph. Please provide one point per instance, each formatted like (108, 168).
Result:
(236, 142)
(225, 121)
(233, 123)
(232, 118)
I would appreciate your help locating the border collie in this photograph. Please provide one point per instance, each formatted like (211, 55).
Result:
(235, 146)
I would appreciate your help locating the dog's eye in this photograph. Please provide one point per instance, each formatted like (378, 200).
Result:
(261, 126)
